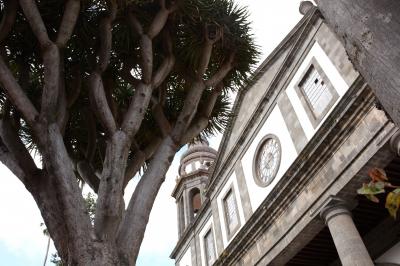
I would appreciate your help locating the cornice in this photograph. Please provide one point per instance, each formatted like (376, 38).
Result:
(197, 173)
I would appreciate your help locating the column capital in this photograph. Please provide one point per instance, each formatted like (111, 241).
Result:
(395, 143)
(335, 206)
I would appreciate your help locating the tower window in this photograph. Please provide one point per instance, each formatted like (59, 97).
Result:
(316, 92)
(209, 247)
(231, 212)
(195, 200)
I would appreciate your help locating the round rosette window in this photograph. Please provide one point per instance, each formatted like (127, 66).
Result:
(267, 160)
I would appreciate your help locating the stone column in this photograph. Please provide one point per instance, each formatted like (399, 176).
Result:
(348, 242)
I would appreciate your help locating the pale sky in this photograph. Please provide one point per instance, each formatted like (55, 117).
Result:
(22, 242)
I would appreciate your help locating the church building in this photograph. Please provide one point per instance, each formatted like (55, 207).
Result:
(282, 188)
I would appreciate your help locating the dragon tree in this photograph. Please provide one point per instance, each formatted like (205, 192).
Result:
(102, 91)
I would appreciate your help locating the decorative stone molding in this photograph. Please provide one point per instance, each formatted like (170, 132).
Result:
(305, 6)
(395, 143)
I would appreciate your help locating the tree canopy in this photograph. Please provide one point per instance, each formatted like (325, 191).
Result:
(103, 89)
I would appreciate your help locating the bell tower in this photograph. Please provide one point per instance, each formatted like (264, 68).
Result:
(191, 181)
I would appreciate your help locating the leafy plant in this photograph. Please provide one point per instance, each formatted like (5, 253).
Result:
(378, 185)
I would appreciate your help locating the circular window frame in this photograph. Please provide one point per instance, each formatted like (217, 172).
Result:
(256, 177)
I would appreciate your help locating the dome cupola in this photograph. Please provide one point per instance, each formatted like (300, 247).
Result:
(199, 155)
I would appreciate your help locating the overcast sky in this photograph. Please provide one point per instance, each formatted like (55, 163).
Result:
(22, 242)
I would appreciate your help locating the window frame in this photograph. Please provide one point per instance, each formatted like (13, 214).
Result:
(211, 232)
(230, 232)
(313, 117)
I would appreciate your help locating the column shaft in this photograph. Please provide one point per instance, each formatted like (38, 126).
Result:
(348, 242)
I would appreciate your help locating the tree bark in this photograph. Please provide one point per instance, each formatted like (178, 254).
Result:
(370, 32)
(110, 203)
(133, 226)
(58, 164)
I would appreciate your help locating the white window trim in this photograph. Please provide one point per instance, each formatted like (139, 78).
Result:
(231, 182)
(314, 118)
(208, 226)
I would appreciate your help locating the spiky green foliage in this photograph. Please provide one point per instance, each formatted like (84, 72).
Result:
(186, 28)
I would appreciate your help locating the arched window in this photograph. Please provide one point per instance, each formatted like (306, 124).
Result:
(195, 201)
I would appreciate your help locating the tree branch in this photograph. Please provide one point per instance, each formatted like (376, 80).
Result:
(204, 116)
(91, 146)
(14, 144)
(45, 192)
(17, 95)
(163, 71)
(34, 18)
(146, 43)
(62, 104)
(58, 164)
(221, 73)
(134, 23)
(99, 103)
(167, 64)
(109, 86)
(137, 109)
(110, 204)
(87, 172)
(7, 158)
(52, 82)
(159, 21)
(131, 231)
(70, 16)
(161, 120)
(196, 91)
(204, 59)
(212, 34)
(140, 158)
(146, 50)
(76, 85)
(15, 156)
(97, 93)
(105, 34)
(188, 111)
(8, 19)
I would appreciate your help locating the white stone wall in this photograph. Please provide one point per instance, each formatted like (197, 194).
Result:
(275, 124)
(333, 75)
(186, 258)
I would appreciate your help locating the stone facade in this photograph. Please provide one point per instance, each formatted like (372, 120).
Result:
(303, 216)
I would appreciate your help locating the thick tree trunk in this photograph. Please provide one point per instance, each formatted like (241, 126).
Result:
(94, 252)
(370, 32)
